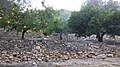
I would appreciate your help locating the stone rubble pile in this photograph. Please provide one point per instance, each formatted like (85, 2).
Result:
(15, 50)
(41, 53)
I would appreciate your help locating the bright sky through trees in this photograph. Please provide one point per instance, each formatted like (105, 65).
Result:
(61, 4)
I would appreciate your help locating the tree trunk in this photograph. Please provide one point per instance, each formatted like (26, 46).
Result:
(17, 33)
(24, 31)
(100, 37)
(60, 36)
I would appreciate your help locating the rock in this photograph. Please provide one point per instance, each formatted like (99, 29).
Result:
(8, 61)
(65, 57)
(5, 55)
(37, 47)
(15, 52)
(11, 57)
(95, 46)
(19, 56)
(39, 59)
(101, 56)
(0, 58)
(80, 52)
(110, 55)
(15, 60)
(91, 55)
(32, 57)
(28, 59)
(4, 52)
(117, 55)
(21, 46)
(55, 36)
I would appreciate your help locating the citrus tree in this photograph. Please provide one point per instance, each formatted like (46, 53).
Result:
(96, 19)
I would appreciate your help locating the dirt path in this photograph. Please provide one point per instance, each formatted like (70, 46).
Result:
(109, 62)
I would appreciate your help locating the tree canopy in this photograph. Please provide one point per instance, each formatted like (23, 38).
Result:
(96, 17)
(15, 14)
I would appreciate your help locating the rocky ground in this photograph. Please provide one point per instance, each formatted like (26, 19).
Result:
(50, 53)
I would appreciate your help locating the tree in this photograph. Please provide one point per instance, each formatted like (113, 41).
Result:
(8, 12)
(94, 3)
(20, 18)
(112, 24)
(95, 20)
(11, 13)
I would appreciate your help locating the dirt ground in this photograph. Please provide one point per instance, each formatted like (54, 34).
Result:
(108, 62)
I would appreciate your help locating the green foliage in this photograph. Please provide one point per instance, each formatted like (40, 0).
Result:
(56, 27)
(9, 12)
(112, 24)
(96, 18)
(19, 17)
(15, 14)
(59, 23)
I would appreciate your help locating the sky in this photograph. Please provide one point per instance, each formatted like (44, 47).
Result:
(71, 5)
